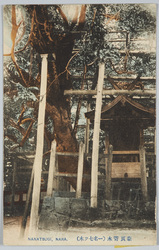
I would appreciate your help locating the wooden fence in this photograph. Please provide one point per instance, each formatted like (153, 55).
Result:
(113, 169)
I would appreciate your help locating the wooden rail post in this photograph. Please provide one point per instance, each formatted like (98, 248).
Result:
(52, 168)
(155, 142)
(109, 172)
(143, 172)
(13, 186)
(39, 148)
(25, 215)
(57, 179)
(95, 151)
(80, 170)
(106, 149)
(87, 131)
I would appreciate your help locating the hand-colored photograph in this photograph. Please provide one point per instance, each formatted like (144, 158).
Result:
(79, 124)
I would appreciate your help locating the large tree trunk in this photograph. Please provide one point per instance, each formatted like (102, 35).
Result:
(58, 105)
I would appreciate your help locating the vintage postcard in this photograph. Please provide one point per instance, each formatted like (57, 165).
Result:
(79, 124)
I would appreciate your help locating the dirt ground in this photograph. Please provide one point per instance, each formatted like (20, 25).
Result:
(75, 236)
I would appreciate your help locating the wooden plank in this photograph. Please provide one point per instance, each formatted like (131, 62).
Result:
(137, 52)
(131, 52)
(27, 158)
(29, 153)
(19, 168)
(128, 152)
(109, 173)
(24, 173)
(130, 78)
(118, 78)
(80, 170)
(126, 170)
(127, 118)
(39, 148)
(95, 151)
(111, 92)
(143, 173)
(52, 167)
(100, 155)
(58, 174)
(81, 126)
(73, 154)
(65, 174)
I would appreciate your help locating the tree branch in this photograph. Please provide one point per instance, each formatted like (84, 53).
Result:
(82, 17)
(74, 20)
(12, 138)
(26, 45)
(15, 125)
(21, 116)
(23, 32)
(14, 31)
(119, 72)
(95, 11)
(26, 134)
(132, 85)
(31, 63)
(66, 70)
(113, 83)
(62, 15)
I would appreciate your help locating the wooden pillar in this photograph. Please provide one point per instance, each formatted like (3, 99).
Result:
(52, 169)
(106, 152)
(155, 142)
(141, 137)
(95, 151)
(39, 147)
(13, 185)
(87, 131)
(109, 172)
(25, 215)
(80, 170)
(106, 149)
(56, 178)
(143, 173)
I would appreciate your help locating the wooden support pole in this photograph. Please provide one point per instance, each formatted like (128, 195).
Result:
(39, 148)
(109, 172)
(80, 170)
(143, 173)
(112, 92)
(13, 186)
(141, 137)
(155, 141)
(87, 131)
(106, 152)
(57, 180)
(25, 215)
(52, 168)
(95, 151)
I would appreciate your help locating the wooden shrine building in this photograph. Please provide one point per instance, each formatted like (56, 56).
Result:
(123, 121)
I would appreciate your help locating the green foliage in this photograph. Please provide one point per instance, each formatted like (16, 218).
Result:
(95, 44)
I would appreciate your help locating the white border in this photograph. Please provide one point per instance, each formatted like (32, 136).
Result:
(4, 2)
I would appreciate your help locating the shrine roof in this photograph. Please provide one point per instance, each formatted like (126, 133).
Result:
(147, 112)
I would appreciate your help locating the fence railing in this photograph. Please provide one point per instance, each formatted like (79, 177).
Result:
(113, 169)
